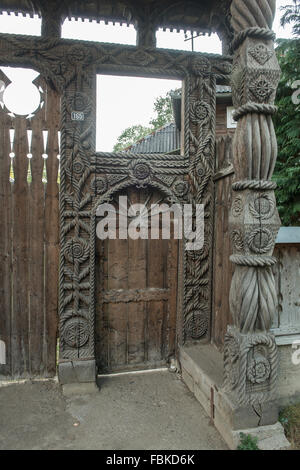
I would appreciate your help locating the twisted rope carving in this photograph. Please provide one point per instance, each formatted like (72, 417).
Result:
(260, 185)
(257, 33)
(255, 305)
(255, 147)
(254, 108)
(252, 14)
(253, 261)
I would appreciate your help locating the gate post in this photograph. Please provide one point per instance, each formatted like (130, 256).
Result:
(250, 355)
(77, 232)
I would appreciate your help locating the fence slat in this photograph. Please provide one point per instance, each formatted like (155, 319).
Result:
(5, 244)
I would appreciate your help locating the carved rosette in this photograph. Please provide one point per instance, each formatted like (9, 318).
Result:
(250, 373)
(250, 363)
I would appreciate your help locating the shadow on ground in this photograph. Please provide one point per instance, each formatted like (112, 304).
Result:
(146, 411)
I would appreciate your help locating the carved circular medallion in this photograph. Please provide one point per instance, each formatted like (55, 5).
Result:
(259, 369)
(181, 188)
(76, 250)
(200, 171)
(76, 332)
(197, 325)
(263, 207)
(141, 170)
(78, 167)
(200, 112)
(80, 102)
(260, 240)
(99, 185)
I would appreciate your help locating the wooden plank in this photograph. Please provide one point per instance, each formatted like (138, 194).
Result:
(36, 267)
(223, 268)
(137, 279)
(173, 292)
(51, 238)
(5, 244)
(20, 279)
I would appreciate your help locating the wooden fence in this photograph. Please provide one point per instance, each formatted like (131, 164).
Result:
(29, 240)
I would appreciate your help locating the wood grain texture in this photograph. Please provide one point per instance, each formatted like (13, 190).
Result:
(136, 299)
(29, 245)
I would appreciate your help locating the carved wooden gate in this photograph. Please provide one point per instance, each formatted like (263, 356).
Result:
(136, 296)
(89, 178)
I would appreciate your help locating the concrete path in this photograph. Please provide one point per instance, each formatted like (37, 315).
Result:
(143, 411)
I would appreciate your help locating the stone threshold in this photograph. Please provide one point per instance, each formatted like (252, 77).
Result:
(202, 372)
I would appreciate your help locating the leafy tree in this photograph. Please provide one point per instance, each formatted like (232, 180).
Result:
(163, 115)
(131, 135)
(163, 110)
(287, 122)
(291, 15)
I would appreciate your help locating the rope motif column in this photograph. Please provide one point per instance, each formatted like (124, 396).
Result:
(250, 355)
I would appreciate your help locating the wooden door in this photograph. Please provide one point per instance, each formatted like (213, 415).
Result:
(136, 298)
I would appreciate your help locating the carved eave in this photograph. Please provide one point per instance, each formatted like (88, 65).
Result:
(196, 15)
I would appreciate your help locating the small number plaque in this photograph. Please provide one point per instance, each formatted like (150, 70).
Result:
(77, 116)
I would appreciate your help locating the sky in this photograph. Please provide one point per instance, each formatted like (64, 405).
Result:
(121, 101)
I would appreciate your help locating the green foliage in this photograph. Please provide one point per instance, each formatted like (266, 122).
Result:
(248, 442)
(287, 127)
(289, 417)
(291, 15)
(163, 115)
(163, 110)
(131, 135)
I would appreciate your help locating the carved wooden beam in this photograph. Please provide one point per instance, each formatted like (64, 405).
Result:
(250, 349)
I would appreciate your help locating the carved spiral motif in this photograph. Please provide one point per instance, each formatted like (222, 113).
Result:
(237, 207)
(181, 188)
(197, 325)
(237, 239)
(77, 250)
(76, 332)
(200, 112)
(260, 240)
(99, 185)
(259, 370)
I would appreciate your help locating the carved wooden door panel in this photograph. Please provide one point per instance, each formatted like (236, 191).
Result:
(136, 298)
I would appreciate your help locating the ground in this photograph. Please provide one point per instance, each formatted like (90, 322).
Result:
(143, 411)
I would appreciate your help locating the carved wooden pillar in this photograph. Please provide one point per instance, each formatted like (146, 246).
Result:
(77, 263)
(250, 349)
(52, 19)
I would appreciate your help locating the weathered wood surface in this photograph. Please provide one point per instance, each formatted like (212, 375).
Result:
(223, 268)
(29, 245)
(136, 300)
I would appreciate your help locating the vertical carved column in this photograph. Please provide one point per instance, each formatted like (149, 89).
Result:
(52, 19)
(77, 263)
(200, 123)
(250, 351)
